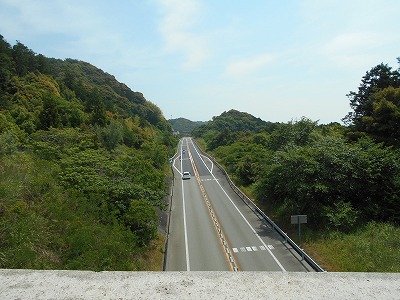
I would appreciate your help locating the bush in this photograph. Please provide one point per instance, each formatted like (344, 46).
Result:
(332, 182)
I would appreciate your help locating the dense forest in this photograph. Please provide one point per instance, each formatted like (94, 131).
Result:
(83, 164)
(346, 178)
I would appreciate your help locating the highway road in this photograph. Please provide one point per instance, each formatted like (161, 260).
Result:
(212, 229)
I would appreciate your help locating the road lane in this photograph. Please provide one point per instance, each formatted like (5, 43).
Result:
(252, 252)
(256, 246)
(193, 244)
(252, 244)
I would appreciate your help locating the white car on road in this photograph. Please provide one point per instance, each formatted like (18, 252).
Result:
(186, 175)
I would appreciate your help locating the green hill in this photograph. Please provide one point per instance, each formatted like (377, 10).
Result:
(230, 126)
(185, 126)
(77, 149)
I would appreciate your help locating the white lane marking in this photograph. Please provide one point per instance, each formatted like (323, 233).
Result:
(176, 167)
(240, 213)
(184, 223)
(252, 248)
(212, 164)
(271, 247)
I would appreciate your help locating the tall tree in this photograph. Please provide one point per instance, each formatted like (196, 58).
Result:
(377, 79)
(6, 63)
(24, 59)
(384, 121)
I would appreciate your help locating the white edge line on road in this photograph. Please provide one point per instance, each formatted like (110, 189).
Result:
(244, 218)
(212, 163)
(180, 173)
(184, 221)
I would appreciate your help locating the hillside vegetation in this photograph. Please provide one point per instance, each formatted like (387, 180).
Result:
(345, 178)
(184, 126)
(82, 166)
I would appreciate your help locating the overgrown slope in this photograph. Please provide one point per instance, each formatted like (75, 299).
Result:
(82, 166)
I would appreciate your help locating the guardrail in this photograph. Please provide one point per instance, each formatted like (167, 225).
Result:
(258, 211)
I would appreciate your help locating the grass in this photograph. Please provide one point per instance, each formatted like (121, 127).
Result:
(375, 247)
(154, 256)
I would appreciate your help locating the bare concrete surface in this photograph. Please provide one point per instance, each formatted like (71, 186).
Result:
(34, 284)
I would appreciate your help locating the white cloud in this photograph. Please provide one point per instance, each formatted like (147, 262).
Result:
(246, 66)
(176, 25)
(354, 49)
(354, 41)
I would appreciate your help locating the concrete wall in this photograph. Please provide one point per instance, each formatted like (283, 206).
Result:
(32, 284)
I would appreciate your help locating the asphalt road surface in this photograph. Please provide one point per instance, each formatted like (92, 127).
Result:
(212, 229)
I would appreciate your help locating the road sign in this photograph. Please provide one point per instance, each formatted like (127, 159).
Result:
(298, 219)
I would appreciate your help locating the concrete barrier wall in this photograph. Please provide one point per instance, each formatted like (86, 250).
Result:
(32, 284)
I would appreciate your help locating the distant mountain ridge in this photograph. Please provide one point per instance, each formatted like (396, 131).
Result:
(185, 126)
(235, 121)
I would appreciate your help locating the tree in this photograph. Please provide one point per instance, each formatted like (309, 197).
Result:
(142, 219)
(6, 63)
(329, 176)
(49, 116)
(111, 135)
(24, 59)
(292, 134)
(378, 78)
(384, 121)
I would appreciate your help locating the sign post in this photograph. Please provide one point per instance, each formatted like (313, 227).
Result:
(298, 219)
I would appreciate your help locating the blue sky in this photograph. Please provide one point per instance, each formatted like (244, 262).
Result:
(277, 60)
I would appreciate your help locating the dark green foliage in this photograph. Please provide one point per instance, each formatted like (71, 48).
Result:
(229, 127)
(334, 183)
(291, 134)
(49, 116)
(141, 218)
(110, 135)
(24, 59)
(245, 161)
(376, 105)
(6, 63)
(233, 121)
(376, 79)
(185, 126)
(305, 168)
(383, 122)
(82, 169)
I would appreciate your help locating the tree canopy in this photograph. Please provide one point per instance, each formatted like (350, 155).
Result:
(376, 104)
